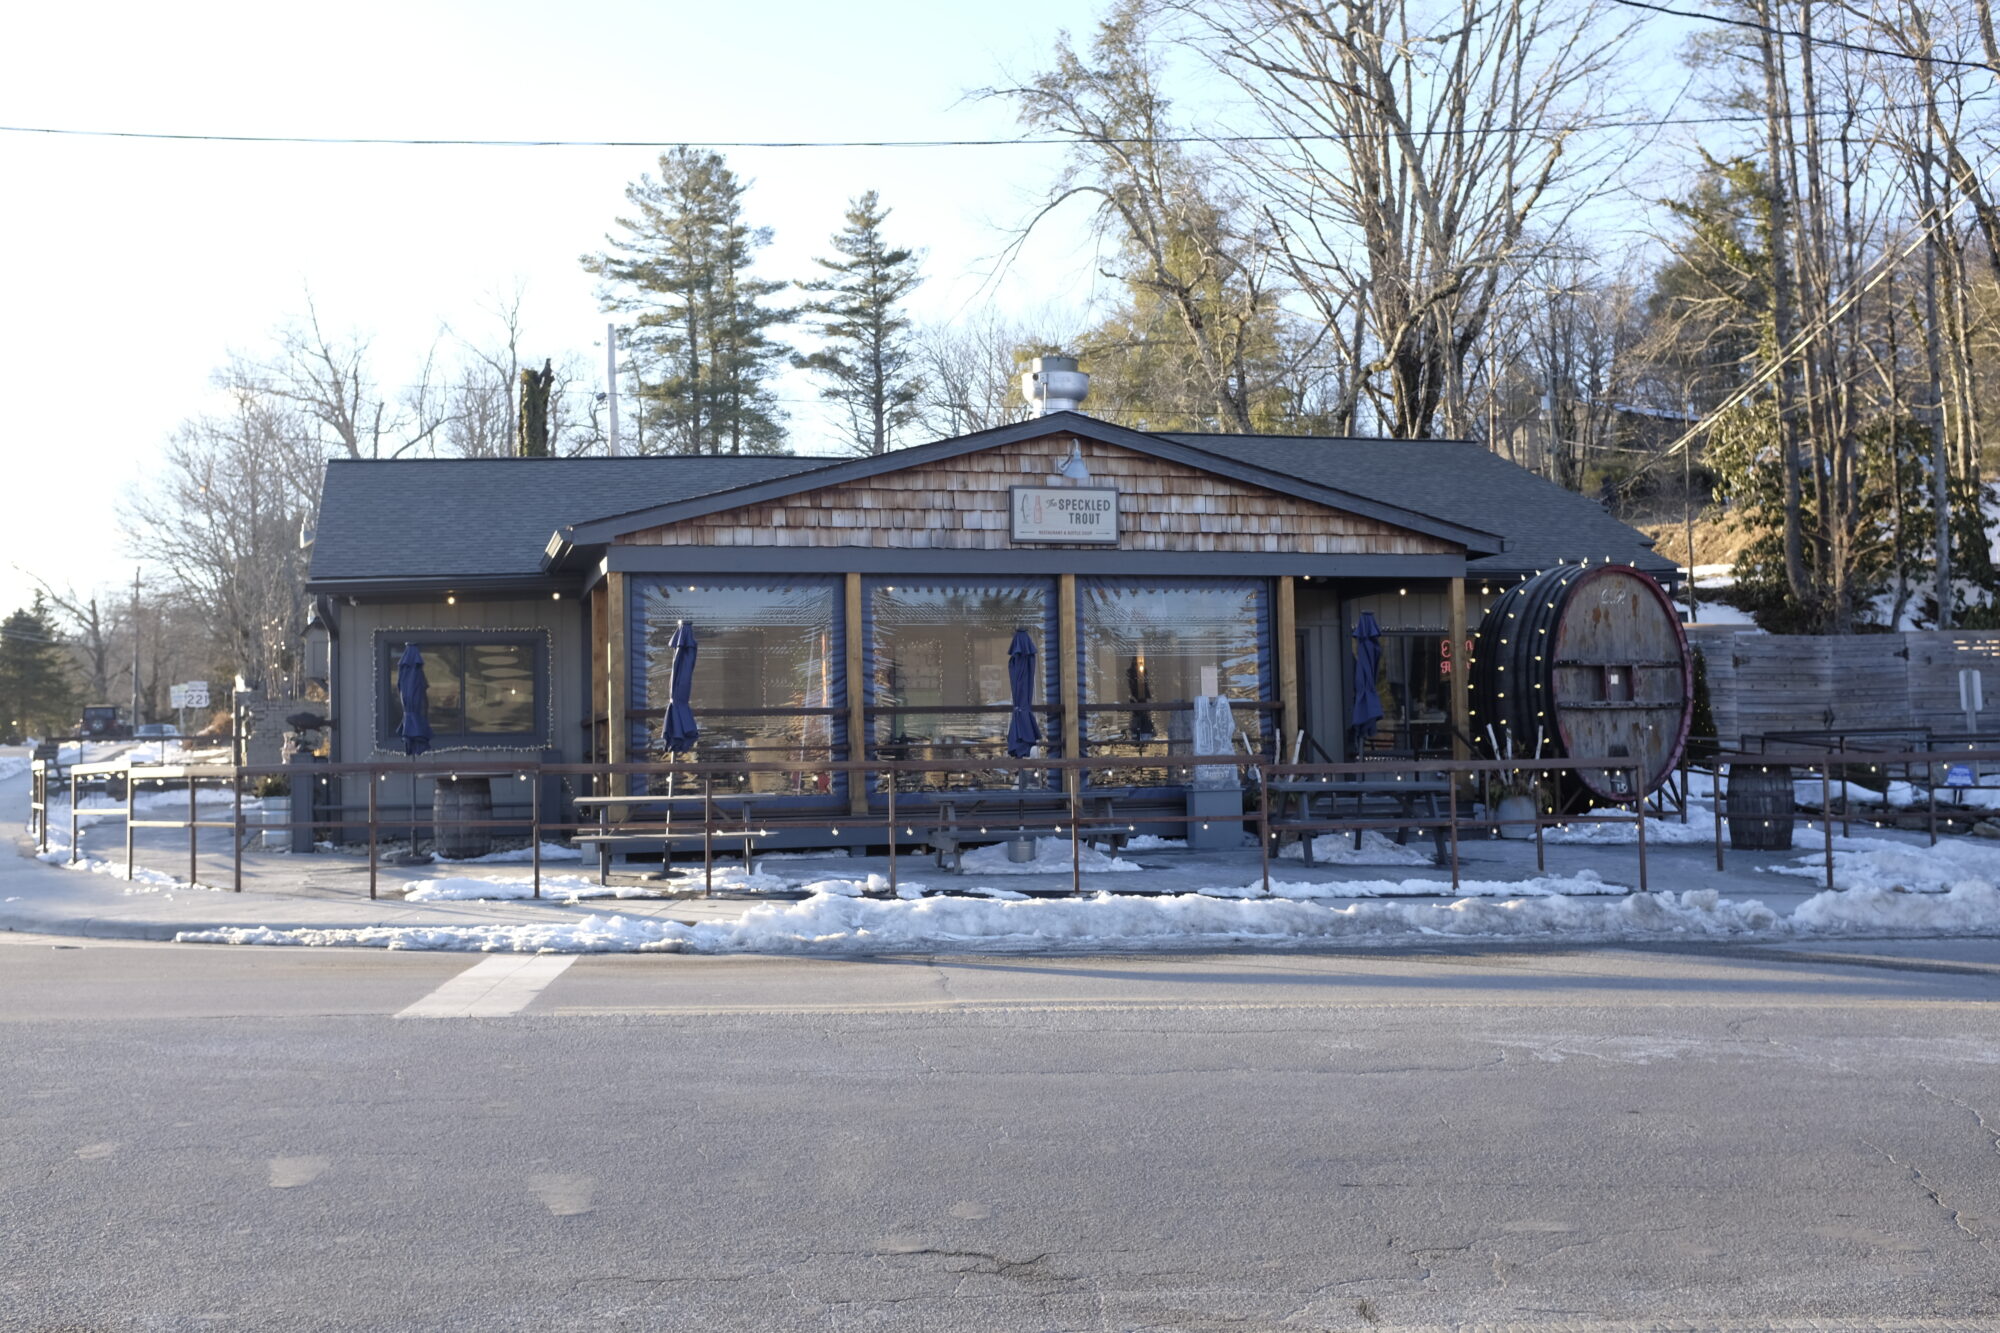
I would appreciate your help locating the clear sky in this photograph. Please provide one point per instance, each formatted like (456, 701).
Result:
(130, 268)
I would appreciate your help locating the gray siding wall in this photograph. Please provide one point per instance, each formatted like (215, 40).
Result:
(357, 686)
(357, 698)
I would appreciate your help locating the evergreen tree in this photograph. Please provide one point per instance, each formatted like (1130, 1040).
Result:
(37, 696)
(700, 342)
(868, 359)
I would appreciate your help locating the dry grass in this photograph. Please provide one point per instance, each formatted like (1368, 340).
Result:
(1717, 539)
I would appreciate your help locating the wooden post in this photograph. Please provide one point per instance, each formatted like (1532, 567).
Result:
(1284, 625)
(857, 700)
(1066, 682)
(617, 661)
(600, 686)
(1461, 719)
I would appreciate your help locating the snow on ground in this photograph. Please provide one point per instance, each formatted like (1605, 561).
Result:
(833, 923)
(572, 888)
(1147, 842)
(1052, 856)
(1880, 865)
(1584, 884)
(551, 851)
(1621, 828)
(1376, 850)
(14, 760)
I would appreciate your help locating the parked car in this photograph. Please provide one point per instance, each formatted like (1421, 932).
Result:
(154, 731)
(104, 722)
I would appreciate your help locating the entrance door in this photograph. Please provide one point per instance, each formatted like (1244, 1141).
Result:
(1322, 692)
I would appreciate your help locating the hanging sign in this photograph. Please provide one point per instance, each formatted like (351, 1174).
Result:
(1064, 513)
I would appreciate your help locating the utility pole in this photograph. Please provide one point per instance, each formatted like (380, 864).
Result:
(135, 648)
(611, 384)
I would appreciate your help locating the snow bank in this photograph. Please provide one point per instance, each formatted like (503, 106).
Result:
(1338, 849)
(836, 923)
(1052, 856)
(1881, 865)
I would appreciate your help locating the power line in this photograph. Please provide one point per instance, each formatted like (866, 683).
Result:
(1755, 26)
(1047, 141)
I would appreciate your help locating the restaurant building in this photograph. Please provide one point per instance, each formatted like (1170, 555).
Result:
(864, 607)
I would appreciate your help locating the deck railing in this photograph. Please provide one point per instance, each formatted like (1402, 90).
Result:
(700, 806)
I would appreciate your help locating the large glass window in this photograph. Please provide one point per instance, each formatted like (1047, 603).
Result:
(938, 682)
(767, 681)
(483, 689)
(1147, 648)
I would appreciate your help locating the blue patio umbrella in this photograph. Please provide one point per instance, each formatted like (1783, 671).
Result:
(1022, 730)
(1366, 710)
(413, 690)
(679, 732)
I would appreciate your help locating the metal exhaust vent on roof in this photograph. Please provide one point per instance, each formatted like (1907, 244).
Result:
(1054, 384)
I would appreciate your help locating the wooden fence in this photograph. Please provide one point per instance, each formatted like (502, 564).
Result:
(1761, 683)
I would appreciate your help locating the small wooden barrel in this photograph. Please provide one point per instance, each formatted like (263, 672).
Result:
(454, 801)
(1759, 803)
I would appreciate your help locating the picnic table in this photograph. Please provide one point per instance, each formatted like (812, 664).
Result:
(1313, 801)
(606, 838)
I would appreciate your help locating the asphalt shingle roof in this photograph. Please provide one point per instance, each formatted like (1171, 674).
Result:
(1457, 481)
(492, 517)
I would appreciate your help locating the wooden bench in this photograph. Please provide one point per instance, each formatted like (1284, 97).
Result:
(668, 834)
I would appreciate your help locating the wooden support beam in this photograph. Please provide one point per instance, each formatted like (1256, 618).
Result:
(1066, 682)
(1461, 721)
(857, 696)
(1284, 627)
(617, 674)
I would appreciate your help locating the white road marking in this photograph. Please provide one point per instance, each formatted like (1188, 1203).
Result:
(292, 1172)
(564, 1196)
(493, 987)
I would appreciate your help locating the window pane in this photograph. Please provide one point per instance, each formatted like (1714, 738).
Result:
(499, 687)
(444, 665)
(944, 645)
(761, 645)
(1147, 644)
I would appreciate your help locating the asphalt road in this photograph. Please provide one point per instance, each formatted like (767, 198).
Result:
(211, 1138)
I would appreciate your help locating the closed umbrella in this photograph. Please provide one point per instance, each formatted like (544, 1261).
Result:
(413, 690)
(1367, 707)
(1022, 731)
(679, 731)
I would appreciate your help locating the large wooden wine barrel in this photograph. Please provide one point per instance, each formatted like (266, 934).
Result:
(1759, 802)
(1593, 660)
(454, 803)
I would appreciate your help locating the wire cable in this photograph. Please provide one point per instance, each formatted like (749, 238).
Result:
(1755, 26)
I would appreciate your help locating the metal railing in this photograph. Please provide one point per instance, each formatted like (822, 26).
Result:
(702, 811)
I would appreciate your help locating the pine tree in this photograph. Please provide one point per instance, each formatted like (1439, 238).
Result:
(37, 696)
(700, 341)
(869, 357)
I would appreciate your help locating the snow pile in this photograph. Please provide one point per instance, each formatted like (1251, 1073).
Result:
(1583, 884)
(551, 851)
(838, 924)
(1881, 865)
(1147, 842)
(143, 880)
(1338, 849)
(13, 765)
(1967, 908)
(1052, 857)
